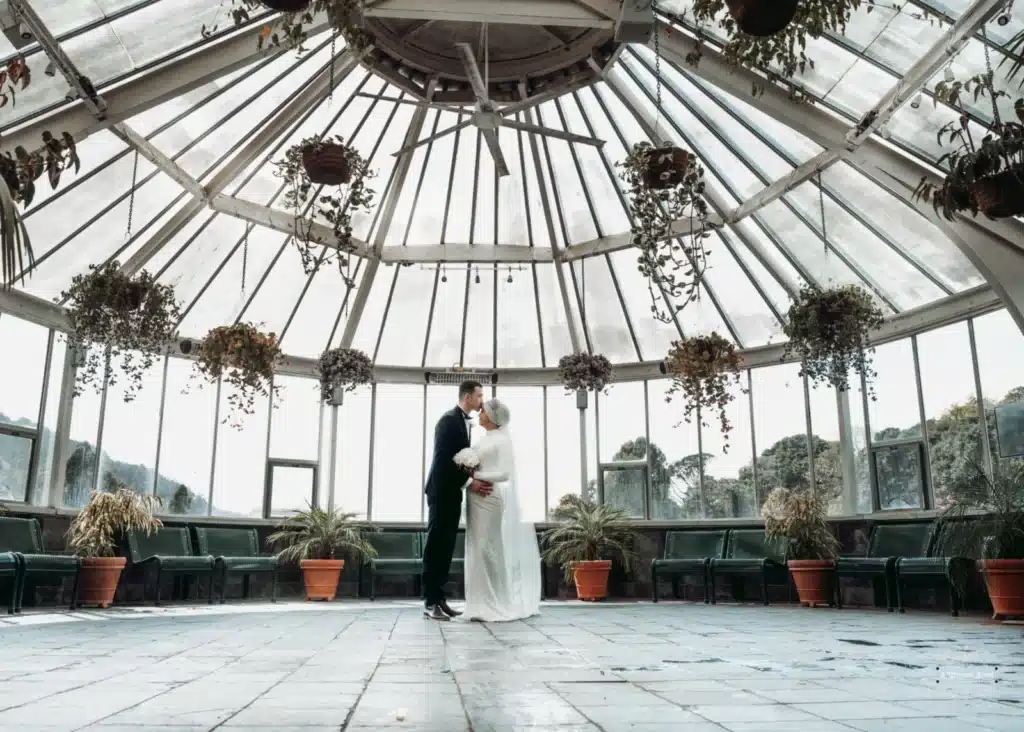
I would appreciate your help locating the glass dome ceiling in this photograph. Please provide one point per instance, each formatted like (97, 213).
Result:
(457, 265)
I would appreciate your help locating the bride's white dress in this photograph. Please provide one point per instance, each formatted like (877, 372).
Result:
(503, 580)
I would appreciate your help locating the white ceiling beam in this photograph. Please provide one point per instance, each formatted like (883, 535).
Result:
(153, 154)
(173, 78)
(511, 12)
(466, 253)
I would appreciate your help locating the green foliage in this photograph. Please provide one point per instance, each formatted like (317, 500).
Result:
(587, 532)
(585, 372)
(99, 527)
(1001, 496)
(800, 517)
(290, 30)
(319, 534)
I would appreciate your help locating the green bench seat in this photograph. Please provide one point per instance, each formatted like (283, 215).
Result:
(748, 551)
(235, 552)
(10, 568)
(23, 538)
(170, 551)
(938, 565)
(398, 554)
(887, 543)
(688, 553)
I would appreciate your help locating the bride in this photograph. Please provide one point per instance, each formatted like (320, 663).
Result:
(502, 557)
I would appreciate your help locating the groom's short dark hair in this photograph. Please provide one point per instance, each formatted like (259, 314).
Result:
(468, 386)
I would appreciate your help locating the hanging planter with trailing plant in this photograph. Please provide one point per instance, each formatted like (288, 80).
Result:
(585, 372)
(830, 332)
(325, 162)
(20, 172)
(984, 176)
(666, 185)
(704, 370)
(290, 30)
(114, 316)
(245, 358)
(17, 76)
(341, 370)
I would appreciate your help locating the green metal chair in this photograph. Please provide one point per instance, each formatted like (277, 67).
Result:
(887, 543)
(938, 565)
(10, 567)
(170, 551)
(399, 554)
(748, 551)
(23, 538)
(235, 552)
(688, 553)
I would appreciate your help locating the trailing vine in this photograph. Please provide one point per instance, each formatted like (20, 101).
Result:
(245, 358)
(585, 372)
(344, 368)
(290, 30)
(704, 370)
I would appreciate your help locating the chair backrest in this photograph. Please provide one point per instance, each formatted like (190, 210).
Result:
(396, 544)
(950, 538)
(901, 540)
(224, 542)
(694, 544)
(752, 544)
(170, 541)
(21, 535)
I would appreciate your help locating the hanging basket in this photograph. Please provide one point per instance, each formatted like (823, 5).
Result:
(666, 167)
(1000, 196)
(762, 17)
(326, 164)
(287, 6)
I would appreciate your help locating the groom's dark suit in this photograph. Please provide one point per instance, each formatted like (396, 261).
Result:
(445, 485)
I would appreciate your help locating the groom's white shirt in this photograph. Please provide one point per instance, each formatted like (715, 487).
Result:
(469, 436)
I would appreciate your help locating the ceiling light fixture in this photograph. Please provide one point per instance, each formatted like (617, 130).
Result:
(916, 103)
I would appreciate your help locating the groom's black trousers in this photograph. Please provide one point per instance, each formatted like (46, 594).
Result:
(443, 516)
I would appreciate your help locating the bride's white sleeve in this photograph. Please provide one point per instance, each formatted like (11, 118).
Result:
(501, 471)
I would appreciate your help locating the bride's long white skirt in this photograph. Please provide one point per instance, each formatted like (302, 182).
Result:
(485, 558)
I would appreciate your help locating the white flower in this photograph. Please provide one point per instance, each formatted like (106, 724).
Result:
(467, 459)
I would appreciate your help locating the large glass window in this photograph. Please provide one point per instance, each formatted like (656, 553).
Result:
(186, 444)
(48, 433)
(623, 439)
(240, 466)
(398, 438)
(563, 445)
(1000, 348)
(130, 431)
(292, 486)
(15, 460)
(352, 453)
(950, 406)
(728, 478)
(894, 412)
(780, 425)
(80, 468)
(828, 467)
(295, 423)
(675, 457)
(527, 406)
(21, 370)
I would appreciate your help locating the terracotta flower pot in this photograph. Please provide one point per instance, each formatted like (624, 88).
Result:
(321, 577)
(762, 17)
(1001, 195)
(97, 581)
(1004, 579)
(666, 167)
(591, 579)
(287, 6)
(326, 164)
(814, 580)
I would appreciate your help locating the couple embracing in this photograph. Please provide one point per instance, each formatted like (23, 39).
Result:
(502, 561)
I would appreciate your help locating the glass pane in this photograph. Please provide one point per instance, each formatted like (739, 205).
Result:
(894, 412)
(625, 488)
(828, 469)
(900, 476)
(675, 458)
(950, 406)
(352, 454)
(623, 428)
(80, 469)
(780, 425)
(15, 458)
(398, 431)
(291, 489)
(48, 433)
(130, 432)
(240, 466)
(21, 378)
(728, 479)
(861, 459)
(526, 404)
(186, 444)
(563, 445)
(295, 423)
(1000, 352)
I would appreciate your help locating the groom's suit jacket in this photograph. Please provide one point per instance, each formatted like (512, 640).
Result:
(451, 434)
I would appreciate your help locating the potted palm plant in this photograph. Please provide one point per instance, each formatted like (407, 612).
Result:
(986, 512)
(584, 543)
(314, 539)
(96, 532)
(799, 517)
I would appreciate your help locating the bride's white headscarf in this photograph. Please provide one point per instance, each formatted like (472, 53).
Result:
(519, 536)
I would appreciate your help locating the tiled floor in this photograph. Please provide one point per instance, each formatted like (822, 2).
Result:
(361, 666)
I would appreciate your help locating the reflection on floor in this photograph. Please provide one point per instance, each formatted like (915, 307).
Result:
(361, 666)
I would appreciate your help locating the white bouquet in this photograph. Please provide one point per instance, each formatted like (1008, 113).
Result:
(467, 460)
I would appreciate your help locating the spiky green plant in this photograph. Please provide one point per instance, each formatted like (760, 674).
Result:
(319, 534)
(800, 517)
(99, 526)
(986, 513)
(587, 532)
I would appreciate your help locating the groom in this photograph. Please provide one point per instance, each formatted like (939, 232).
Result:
(444, 498)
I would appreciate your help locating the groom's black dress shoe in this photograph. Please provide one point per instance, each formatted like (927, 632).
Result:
(447, 609)
(434, 612)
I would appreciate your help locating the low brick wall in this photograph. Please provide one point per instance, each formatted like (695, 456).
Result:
(136, 587)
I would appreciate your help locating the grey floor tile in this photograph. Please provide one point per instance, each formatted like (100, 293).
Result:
(818, 725)
(753, 713)
(841, 711)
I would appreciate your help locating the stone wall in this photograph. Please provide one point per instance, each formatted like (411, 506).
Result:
(136, 584)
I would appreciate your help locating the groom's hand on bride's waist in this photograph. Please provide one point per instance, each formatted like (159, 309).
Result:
(480, 487)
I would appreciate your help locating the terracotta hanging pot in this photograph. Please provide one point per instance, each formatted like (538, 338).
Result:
(666, 167)
(287, 6)
(1001, 195)
(321, 577)
(326, 164)
(591, 579)
(1004, 579)
(762, 17)
(814, 580)
(97, 580)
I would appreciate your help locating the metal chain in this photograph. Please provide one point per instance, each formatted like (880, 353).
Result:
(131, 199)
(988, 71)
(657, 75)
(330, 92)
(821, 205)
(245, 257)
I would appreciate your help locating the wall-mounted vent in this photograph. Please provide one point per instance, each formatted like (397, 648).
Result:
(454, 377)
